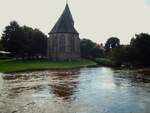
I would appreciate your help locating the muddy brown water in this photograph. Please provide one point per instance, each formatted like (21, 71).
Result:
(86, 90)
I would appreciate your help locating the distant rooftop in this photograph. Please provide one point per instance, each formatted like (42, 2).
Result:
(65, 23)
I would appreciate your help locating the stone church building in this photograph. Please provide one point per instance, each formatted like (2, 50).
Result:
(64, 41)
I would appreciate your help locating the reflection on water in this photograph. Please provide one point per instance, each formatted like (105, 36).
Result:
(65, 87)
(88, 90)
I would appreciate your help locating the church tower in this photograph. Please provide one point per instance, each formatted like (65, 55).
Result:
(64, 41)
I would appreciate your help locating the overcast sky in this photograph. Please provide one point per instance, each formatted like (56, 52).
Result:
(94, 19)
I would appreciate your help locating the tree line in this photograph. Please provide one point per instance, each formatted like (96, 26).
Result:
(27, 43)
(23, 41)
(137, 53)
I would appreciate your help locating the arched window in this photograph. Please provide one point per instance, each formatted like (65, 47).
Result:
(62, 43)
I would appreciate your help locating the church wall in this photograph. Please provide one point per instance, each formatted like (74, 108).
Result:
(63, 46)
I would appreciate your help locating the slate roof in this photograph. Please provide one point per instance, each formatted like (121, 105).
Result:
(65, 23)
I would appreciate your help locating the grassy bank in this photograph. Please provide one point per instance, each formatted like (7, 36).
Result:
(104, 62)
(8, 66)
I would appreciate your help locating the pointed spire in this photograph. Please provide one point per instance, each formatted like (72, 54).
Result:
(65, 23)
(66, 1)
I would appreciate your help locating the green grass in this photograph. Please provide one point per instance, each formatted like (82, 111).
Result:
(8, 66)
(104, 62)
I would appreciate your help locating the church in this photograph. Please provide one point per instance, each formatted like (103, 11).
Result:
(64, 41)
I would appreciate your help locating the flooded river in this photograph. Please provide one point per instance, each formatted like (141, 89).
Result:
(88, 90)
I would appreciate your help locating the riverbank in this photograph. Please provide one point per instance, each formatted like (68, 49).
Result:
(11, 65)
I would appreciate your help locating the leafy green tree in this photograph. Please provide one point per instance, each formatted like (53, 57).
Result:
(11, 38)
(97, 52)
(86, 46)
(39, 43)
(122, 55)
(1, 47)
(135, 54)
(141, 44)
(35, 43)
(24, 42)
(112, 43)
(90, 49)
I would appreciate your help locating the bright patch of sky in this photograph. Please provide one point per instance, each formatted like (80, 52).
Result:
(147, 2)
(94, 19)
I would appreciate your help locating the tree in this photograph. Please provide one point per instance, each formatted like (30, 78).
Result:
(11, 38)
(112, 42)
(97, 52)
(86, 46)
(135, 54)
(24, 42)
(122, 55)
(35, 43)
(141, 44)
(39, 43)
(1, 47)
(90, 49)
